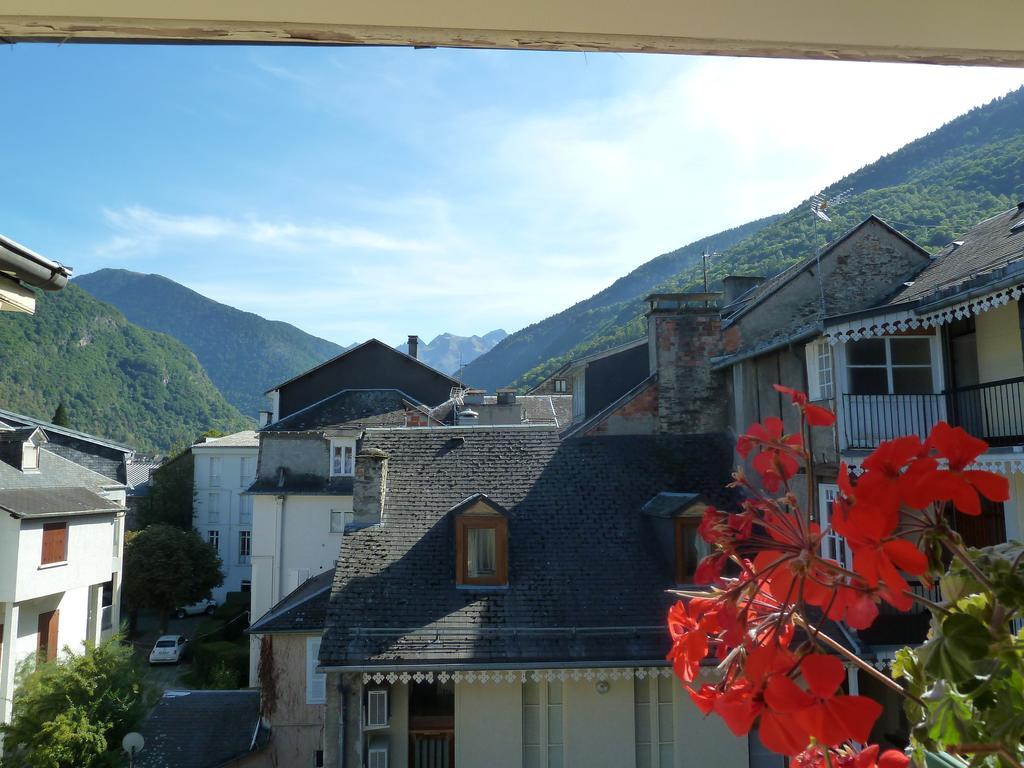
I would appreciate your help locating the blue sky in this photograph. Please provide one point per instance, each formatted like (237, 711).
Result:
(381, 192)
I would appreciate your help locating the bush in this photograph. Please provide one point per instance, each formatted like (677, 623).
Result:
(220, 664)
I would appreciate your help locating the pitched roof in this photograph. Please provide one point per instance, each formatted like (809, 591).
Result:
(200, 729)
(350, 408)
(245, 439)
(982, 251)
(303, 485)
(770, 286)
(304, 609)
(378, 342)
(587, 573)
(20, 419)
(54, 502)
(54, 471)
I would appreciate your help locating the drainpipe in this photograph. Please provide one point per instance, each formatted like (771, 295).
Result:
(31, 268)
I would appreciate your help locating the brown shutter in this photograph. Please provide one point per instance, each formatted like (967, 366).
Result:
(55, 540)
(48, 625)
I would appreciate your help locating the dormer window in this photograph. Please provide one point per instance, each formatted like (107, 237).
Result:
(29, 457)
(690, 547)
(343, 458)
(675, 519)
(481, 543)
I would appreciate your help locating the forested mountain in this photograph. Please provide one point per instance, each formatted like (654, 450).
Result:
(243, 353)
(932, 190)
(448, 352)
(115, 379)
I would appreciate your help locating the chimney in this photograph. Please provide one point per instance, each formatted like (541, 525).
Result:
(265, 418)
(736, 285)
(684, 331)
(506, 396)
(414, 347)
(369, 487)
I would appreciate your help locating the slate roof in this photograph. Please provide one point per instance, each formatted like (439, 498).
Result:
(200, 729)
(308, 485)
(54, 502)
(245, 439)
(350, 408)
(587, 573)
(304, 609)
(20, 419)
(987, 248)
(54, 471)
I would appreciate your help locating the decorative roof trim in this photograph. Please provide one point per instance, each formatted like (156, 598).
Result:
(517, 676)
(888, 323)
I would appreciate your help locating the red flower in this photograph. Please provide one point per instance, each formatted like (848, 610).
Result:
(689, 631)
(884, 480)
(776, 457)
(958, 484)
(814, 757)
(828, 718)
(816, 415)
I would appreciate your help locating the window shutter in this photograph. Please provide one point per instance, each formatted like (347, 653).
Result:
(55, 539)
(811, 357)
(316, 682)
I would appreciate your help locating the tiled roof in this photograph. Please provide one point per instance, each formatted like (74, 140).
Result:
(54, 502)
(587, 572)
(244, 439)
(987, 247)
(304, 609)
(352, 408)
(54, 471)
(311, 485)
(20, 419)
(200, 729)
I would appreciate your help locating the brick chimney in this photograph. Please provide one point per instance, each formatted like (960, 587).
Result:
(414, 347)
(369, 487)
(684, 333)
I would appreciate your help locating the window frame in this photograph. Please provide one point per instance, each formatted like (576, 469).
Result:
(244, 552)
(316, 682)
(889, 367)
(213, 539)
(28, 448)
(343, 444)
(46, 558)
(561, 386)
(215, 476)
(463, 524)
(680, 525)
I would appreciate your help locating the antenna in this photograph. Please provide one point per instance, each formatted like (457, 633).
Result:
(704, 259)
(820, 206)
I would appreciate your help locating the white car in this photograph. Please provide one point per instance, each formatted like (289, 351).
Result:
(203, 606)
(169, 649)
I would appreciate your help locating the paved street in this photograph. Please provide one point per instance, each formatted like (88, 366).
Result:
(163, 676)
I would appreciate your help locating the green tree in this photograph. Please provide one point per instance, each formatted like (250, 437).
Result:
(170, 494)
(166, 567)
(72, 712)
(60, 416)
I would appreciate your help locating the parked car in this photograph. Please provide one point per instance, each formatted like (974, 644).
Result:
(169, 649)
(203, 606)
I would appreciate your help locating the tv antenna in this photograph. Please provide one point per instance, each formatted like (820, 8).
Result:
(820, 208)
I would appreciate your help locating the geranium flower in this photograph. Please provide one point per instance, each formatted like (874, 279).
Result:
(689, 632)
(957, 483)
(816, 415)
(776, 454)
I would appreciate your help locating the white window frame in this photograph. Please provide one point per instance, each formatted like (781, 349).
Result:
(213, 506)
(833, 546)
(316, 682)
(934, 357)
(244, 547)
(29, 449)
(543, 711)
(343, 444)
(244, 509)
(244, 475)
(213, 539)
(561, 386)
(215, 468)
(337, 521)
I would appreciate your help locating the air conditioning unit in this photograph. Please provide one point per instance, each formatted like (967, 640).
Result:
(377, 753)
(376, 714)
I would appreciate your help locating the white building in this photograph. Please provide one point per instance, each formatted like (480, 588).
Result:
(224, 468)
(61, 539)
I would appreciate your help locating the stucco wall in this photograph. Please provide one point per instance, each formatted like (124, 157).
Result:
(297, 727)
(999, 345)
(90, 557)
(489, 725)
(599, 727)
(73, 621)
(299, 454)
(704, 741)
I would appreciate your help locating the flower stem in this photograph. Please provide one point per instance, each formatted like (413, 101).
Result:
(985, 749)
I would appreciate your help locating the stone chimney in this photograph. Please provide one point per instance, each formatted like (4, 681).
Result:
(414, 347)
(506, 396)
(735, 286)
(369, 487)
(684, 332)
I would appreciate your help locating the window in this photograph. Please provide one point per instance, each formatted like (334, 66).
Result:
(654, 722)
(481, 550)
(213, 507)
(29, 456)
(823, 360)
(337, 521)
(214, 470)
(342, 458)
(245, 473)
(377, 715)
(214, 538)
(246, 585)
(542, 724)
(49, 624)
(561, 386)
(245, 510)
(690, 548)
(55, 543)
(316, 682)
(899, 365)
(244, 546)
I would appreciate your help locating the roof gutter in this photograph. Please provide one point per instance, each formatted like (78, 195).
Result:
(29, 267)
(727, 361)
(972, 293)
(470, 667)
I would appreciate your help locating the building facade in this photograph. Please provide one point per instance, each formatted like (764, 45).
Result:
(223, 469)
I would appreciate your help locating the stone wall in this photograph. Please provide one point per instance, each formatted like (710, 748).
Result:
(691, 397)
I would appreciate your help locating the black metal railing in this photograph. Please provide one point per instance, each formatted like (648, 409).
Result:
(993, 411)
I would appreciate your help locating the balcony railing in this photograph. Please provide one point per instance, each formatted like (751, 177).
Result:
(992, 411)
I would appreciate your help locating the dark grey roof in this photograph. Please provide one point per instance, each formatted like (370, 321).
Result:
(987, 247)
(54, 471)
(587, 576)
(350, 408)
(312, 485)
(18, 418)
(304, 609)
(200, 729)
(54, 502)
